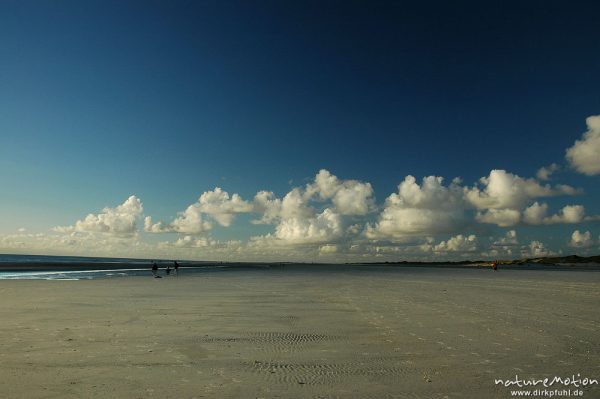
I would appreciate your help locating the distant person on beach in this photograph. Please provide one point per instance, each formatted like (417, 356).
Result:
(495, 265)
(154, 269)
(168, 270)
(176, 267)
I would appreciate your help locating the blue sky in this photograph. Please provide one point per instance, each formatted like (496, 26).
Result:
(165, 101)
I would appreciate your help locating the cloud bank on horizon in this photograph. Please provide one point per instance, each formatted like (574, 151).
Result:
(339, 219)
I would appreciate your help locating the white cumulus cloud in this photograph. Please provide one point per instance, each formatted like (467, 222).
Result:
(581, 240)
(330, 216)
(295, 204)
(504, 190)
(459, 243)
(221, 207)
(537, 214)
(509, 239)
(428, 208)
(505, 244)
(545, 172)
(198, 242)
(268, 206)
(190, 221)
(328, 249)
(298, 217)
(584, 155)
(324, 228)
(349, 197)
(120, 220)
(500, 217)
(536, 249)
(216, 205)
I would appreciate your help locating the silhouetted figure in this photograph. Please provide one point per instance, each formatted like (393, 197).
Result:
(176, 267)
(495, 265)
(154, 269)
(168, 270)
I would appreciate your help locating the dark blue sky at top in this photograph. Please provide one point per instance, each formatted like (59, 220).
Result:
(164, 100)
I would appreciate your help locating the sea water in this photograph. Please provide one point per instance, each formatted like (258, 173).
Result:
(41, 267)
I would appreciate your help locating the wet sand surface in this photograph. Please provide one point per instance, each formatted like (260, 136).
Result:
(299, 332)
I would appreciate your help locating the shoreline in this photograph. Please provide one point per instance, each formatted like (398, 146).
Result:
(87, 266)
(23, 263)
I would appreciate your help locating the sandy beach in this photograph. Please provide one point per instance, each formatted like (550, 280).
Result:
(299, 332)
